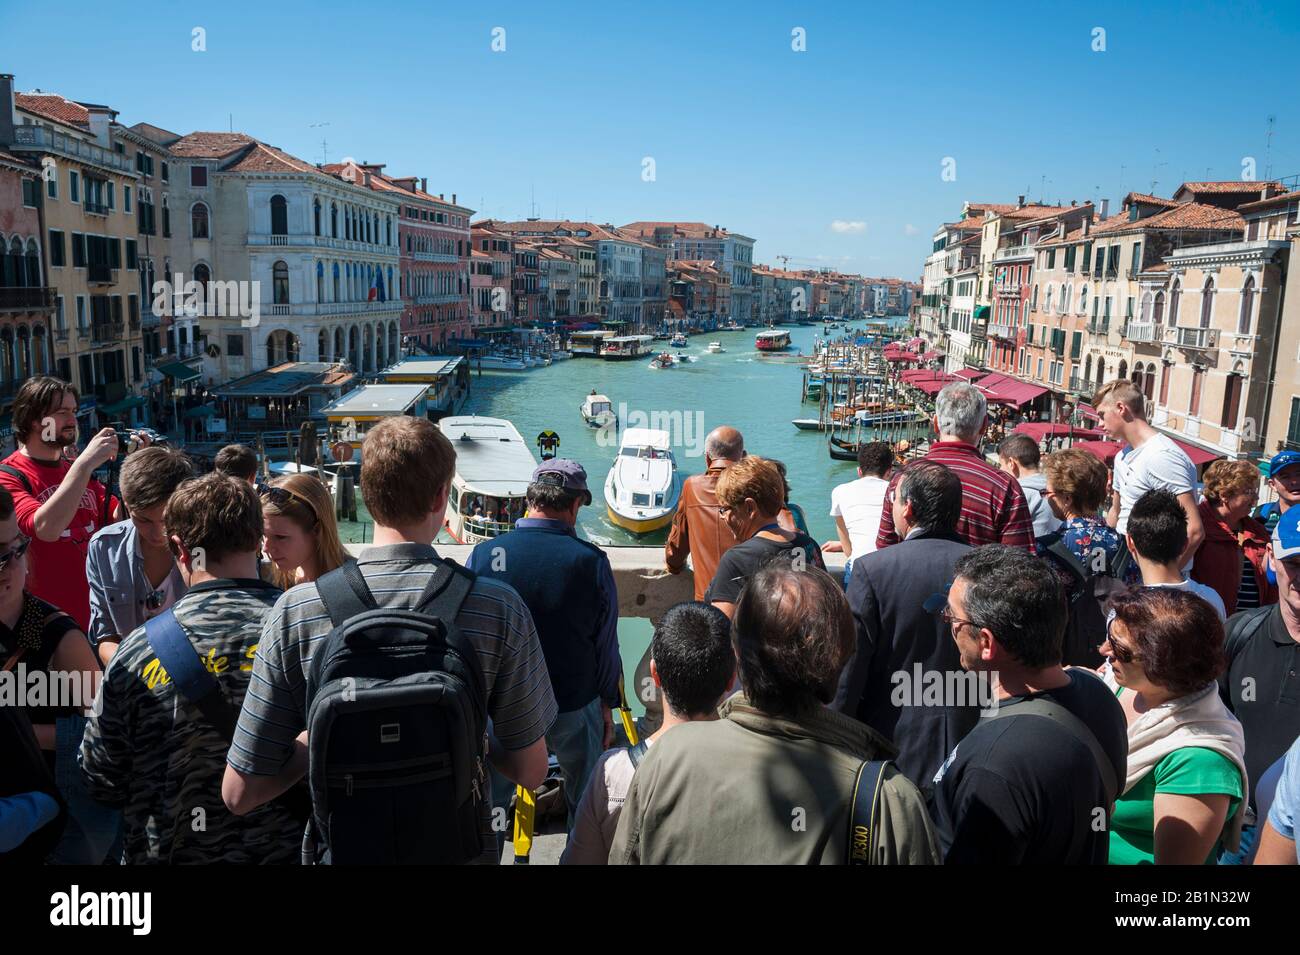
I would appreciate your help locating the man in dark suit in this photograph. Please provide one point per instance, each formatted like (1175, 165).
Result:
(902, 679)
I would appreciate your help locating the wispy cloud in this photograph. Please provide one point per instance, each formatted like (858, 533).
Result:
(846, 227)
(910, 229)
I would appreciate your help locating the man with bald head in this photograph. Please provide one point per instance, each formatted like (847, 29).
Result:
(698, 529)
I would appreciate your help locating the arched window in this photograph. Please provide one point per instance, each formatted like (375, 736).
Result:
(334, 220)
(1101, 372)
(1087, 368)
(315, 215)
(1083, 300)
(1066, 294)
(336, 289)
(1194, 401)
(1247, 306)
(13, 263)
(1146, 307)
(1048, 300)
(388, 230)
(279, 215)
(320, 281)
(1175, 296)
(33, 264)
(202, 276)
(1123, 369)
(1158, 316)
(280, 283)
(1207, 303)
(199, 221)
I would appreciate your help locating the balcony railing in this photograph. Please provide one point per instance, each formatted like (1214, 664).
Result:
(1013, 252)
(100, 275)
(41, 138)
(95, 208)
(1006, 332)
(323, 242)
(27, 298)
(1140, 332)
(445, 257)
(101, 333)
(1202, 338)
(1099, 327)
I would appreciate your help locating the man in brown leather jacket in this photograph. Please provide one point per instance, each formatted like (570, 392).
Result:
(698, 529)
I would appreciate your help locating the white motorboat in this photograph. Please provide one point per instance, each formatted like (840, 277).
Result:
(663, 360)
(494, 361)
(643, 487)
(598, 411)
(716, 347)
(679, 341)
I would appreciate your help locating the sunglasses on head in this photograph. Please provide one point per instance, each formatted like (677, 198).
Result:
(282, 497)
(15, 552)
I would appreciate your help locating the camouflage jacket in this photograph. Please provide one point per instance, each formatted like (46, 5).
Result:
(150, 752)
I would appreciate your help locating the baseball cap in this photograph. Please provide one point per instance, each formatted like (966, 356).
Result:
(1286, 535)
(565, 473)
(1283, 459)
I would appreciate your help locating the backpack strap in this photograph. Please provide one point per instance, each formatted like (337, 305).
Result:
(345, 594)
(864, 809)
(1243, 627)
(187, 672)
(446, 590)
(1058, 714)
(14, 472)
(637, 753)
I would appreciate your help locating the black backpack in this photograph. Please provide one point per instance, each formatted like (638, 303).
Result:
(396, 727)
(1088, 593)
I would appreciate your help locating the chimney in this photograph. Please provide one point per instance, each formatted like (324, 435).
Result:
(424, 185)
(453, 199)
(1087, 223)
(6, 110)
(1105, 208)
(1073, 203)
(99, 119)
(366, 177)
(1020, 202)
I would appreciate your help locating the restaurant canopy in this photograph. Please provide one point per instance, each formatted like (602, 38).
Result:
(968, 373)
(1005, 389)
(1038, 430)
(1198, 455)
(1105, 450)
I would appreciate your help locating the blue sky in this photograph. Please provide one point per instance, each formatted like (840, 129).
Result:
(743, 130)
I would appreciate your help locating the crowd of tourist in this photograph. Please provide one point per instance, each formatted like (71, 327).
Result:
(1037, 660)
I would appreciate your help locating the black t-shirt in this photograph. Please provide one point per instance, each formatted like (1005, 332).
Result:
(1262, 689)
(38, 633)
(1023, 790)
(743, 560)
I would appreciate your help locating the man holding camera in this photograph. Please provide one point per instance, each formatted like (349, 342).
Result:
(58, 502)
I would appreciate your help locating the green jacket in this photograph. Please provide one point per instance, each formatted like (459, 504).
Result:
(755, 789)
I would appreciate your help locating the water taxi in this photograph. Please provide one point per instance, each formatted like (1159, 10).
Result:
(493, 469)
(623, 347)
(716, 347)
(679, 341)
(662, 360)
(774, 340)
(598, 411)
(588, 344)
(643, 487)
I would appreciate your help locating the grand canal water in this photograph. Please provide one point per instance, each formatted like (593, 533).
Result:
(758, 394)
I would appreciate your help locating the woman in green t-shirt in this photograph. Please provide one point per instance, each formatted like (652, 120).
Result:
(1186, 772)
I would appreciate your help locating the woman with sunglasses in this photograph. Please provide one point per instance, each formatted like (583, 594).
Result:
(301, 536)
(1182, 797)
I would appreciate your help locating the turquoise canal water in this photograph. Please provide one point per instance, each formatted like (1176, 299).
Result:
(759, 394)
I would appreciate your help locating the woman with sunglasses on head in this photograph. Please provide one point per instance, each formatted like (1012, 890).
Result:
(301, 536)
(1182, 797)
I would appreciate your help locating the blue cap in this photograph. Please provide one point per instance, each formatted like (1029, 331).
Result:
(1283, 459)
(1286, 535)
(565, 473)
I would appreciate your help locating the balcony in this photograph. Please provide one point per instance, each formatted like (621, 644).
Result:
(106, 333)
(94, 208)
(1099, 327)
(448, 258)
(1201, 339)
(322, 242)
(100, 275)
(1013, 252)
(448, 298)
(42, 139)
(1140, 332)
(26, 299)
(1080, 385)
(1004, 332)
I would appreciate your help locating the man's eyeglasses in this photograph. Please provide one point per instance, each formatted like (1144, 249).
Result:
(282, 497)
(953, 621)
(15, 552)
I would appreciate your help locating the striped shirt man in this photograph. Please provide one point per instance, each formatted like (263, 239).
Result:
(993, 509)
(521, 704)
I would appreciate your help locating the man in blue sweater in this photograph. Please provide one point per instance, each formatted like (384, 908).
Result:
(569, 588)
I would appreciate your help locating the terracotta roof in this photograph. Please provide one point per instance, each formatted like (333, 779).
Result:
(1144, 199)
(1260, 204)
(689, 230)
(1228, 186)
(1158, 267)
(164, 137)
(970, 222)
(55, 107)
(264, 158)
(209, 145)
(1193, 215)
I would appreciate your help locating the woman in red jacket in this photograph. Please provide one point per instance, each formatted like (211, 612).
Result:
(1233, 557)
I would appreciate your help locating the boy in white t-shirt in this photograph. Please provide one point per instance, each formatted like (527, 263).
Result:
(1157, 536)
(1150, 461)
(857, 505)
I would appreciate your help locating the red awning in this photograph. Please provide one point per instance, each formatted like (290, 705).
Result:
(1087, 411)
(931, 386)
(1199, 456)
(967, 373)
(902, 356)
(931, 355)
(1038, 430)
(1105, 450)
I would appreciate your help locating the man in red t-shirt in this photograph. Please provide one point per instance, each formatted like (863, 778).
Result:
(57, 502)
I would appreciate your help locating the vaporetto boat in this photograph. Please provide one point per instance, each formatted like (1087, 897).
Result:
(493, 470)
(643, 487)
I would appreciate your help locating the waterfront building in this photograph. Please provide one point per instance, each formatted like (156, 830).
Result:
(88, 200)
(701, 292)
(1281, 425)
(491, 279)
(697, 241)
(433, 248)
(526, 284)
(322, 249)
(26, 299)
